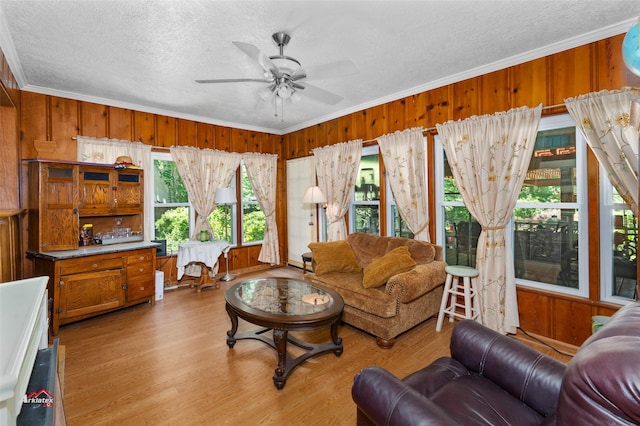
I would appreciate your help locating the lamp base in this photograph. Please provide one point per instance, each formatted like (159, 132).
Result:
(227, 277)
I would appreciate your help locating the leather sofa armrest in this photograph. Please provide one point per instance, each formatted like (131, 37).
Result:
(423, 278)
(525, 373)
(384, 399)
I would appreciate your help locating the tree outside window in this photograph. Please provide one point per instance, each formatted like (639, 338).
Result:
(253, 219)
(171, 205)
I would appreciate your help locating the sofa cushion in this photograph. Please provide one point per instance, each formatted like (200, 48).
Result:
(333, 256)
(384, 267)
(367, 247)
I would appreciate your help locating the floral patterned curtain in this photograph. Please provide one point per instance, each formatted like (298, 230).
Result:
(262, 170)
(404, 158)
(489, 157)
(203, 171)
(604, 120)
(337, 170)
(105, 151)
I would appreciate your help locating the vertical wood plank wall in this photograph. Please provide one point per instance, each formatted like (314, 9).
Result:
(548, 80)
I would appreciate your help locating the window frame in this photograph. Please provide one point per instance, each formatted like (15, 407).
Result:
(368, 150)
(242, 203)
(165, 156)
(546, 123)
(607, 206)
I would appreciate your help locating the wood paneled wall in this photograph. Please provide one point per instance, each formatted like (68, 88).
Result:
(58, 119)
(547, 81)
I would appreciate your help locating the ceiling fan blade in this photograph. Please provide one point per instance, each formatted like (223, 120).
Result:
(334, 69)
(320, 94)
(235, 80)
(255, 54)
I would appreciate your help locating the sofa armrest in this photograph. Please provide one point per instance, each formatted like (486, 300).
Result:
(384, 399)
(525, 373)
(423, 278)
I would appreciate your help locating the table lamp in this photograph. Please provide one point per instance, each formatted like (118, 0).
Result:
(226, 197)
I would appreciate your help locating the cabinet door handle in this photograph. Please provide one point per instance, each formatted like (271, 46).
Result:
(125, 286)
(141, 269)
(141, 288)
(94, 266)
(61, 283)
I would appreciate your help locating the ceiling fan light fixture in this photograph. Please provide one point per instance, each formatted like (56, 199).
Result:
(284, 90)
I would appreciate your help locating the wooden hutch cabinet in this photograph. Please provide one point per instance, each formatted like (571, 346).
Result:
(85, 281)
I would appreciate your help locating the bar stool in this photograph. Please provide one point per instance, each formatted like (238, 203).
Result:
(468, 291)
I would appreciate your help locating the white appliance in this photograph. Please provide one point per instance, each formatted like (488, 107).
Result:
(159, 285)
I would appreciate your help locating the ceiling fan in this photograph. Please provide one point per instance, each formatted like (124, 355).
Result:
(285, 77)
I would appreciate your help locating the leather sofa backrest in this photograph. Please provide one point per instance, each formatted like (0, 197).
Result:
(602, 382)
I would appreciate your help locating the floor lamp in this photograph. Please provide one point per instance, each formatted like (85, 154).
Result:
(226, 197)
(314, 195)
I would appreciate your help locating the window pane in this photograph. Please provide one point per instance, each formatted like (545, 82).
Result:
(368, 186)
(168, 186)
(546, 245)
(367, 219)
(461, 234)
(400, 228)
(451, 191)
(253, 219)
(551, 177)
(172, 224)
(221, 223)
(625, 251)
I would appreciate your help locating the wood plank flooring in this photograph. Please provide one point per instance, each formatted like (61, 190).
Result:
(169, 364)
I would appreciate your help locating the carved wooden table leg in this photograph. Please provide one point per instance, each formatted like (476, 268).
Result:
(231, 341)
(280, 342)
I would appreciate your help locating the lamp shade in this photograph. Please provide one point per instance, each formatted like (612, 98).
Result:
(225, 196)
(314, 195)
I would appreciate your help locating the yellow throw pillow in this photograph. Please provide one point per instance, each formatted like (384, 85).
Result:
(382, 268)
(333, 256)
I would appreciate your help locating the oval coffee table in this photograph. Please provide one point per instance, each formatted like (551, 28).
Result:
(283, 305)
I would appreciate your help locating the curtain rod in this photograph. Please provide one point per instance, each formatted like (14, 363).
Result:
(424, 132)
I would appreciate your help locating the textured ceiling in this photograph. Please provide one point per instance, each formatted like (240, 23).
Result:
(145, 55)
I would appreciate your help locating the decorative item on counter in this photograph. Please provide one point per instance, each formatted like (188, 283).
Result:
(86, 234)
(124, 162)
(204, 236)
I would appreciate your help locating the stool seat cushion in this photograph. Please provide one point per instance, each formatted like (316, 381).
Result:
(461, 271)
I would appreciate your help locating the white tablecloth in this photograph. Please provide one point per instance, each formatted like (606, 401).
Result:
(196, 251)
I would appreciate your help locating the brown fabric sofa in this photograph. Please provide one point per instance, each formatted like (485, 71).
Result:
(403, 301)
(493, 379)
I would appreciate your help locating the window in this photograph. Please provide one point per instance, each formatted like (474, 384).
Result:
(619, 245)
(549, 227)
(364, 212)
(173, 214)
(253, 219)
(396, 226)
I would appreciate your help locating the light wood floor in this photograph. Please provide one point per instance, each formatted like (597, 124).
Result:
(169, 364)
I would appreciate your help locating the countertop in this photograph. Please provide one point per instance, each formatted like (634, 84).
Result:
(93, 250)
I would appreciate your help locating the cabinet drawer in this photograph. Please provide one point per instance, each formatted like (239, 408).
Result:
(139, 257)
(145, 270)
(84, 265)
(139, 288)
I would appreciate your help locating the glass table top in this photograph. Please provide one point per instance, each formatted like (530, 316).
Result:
(283, 296)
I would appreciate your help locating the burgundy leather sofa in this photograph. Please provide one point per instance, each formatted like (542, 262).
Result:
(491, 379)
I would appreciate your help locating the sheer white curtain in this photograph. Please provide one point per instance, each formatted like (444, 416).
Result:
(105, 151)
(203, 171)
(604, 120)
(262, 170)
(404, 157)
(489, 157)
(337, 169)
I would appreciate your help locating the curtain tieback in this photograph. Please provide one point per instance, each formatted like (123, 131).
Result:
(422, 228)
(493, 228)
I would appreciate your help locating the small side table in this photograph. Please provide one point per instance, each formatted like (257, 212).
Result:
(205, 253)
(306, 257)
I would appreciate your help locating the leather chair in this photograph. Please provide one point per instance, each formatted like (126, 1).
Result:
(491, 379)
